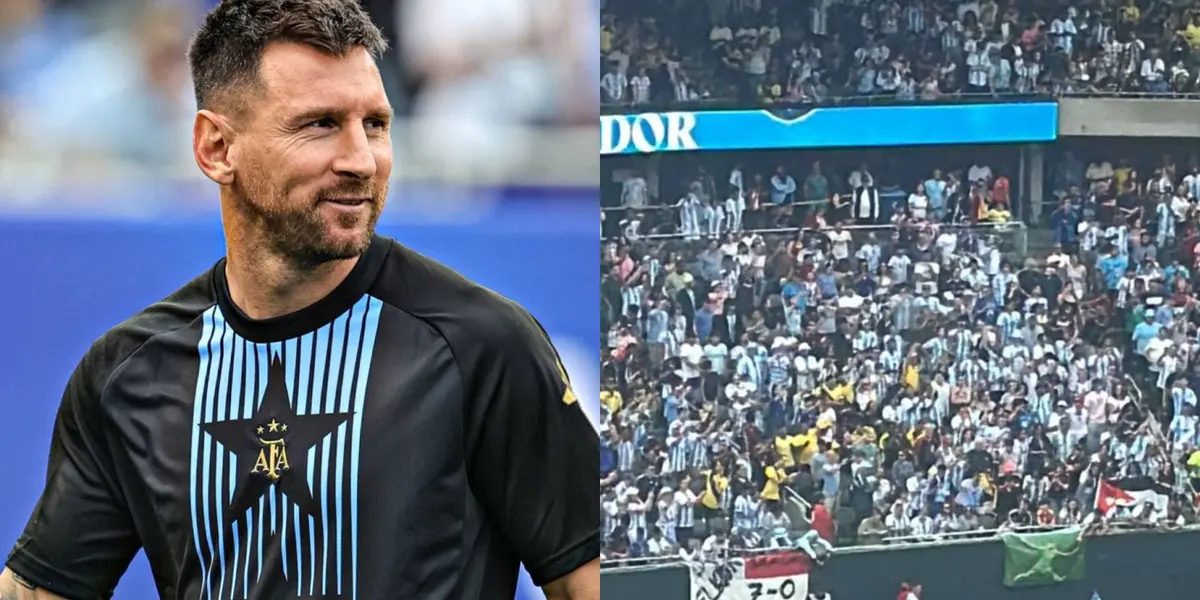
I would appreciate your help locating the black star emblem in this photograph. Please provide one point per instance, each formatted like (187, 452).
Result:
(259, 443)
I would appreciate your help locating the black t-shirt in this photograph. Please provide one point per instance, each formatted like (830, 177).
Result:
(411, 435)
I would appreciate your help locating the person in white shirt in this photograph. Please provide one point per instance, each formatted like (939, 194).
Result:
(691, 353)
(979, 69)
(658, 545)
(1154, 73)
(922, 524)
(1182, 430)
(640, 86)
(918, 204)
(897, 522)
(635, 192)
(979, 173)
(839, 240)
(613, 86)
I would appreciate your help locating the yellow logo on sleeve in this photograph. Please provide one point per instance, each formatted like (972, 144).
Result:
(568, 396)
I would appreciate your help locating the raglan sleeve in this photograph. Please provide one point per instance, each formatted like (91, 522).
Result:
(80, 538)
(533, 456)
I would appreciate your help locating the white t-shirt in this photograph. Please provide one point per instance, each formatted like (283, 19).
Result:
(634, 193)
(918, 204)
(840, 244)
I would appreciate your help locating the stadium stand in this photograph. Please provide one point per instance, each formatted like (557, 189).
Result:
(900, 344)
(829, 51)
(917, 376)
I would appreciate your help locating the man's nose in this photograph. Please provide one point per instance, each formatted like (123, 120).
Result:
(355, 158)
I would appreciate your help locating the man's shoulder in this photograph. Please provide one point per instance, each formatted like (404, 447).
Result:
(178, 310)
(461, 310)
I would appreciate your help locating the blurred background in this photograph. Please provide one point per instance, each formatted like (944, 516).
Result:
(102, 210)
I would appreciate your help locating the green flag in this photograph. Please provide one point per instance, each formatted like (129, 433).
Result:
(1043, 558)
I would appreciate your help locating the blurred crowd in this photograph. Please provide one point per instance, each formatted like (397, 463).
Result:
(842, 383)
(89, 85)
(766, 51)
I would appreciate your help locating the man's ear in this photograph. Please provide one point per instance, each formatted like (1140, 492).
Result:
(212, 135)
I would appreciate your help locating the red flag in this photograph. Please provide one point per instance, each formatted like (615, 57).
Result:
(783, 564)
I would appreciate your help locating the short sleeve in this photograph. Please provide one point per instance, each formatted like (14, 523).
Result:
(533, 455)
(80, 538)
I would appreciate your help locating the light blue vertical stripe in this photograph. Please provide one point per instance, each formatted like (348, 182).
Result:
(319, 355)
(312, 564)
(250, 539)
(303, 360)
(206, 466)
(261, 533)
(290, 367)
(353, 354)
(337, 373)
(368, 350)
(237, 394)
(283, 538)
(222, 414)
(299, 556)
(204, 348)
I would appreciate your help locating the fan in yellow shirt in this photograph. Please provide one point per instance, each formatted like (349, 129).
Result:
(838, 391)
(806, 445)
(777, 475)
(1193, 464)
(715, 485)
(785, 447)
(912, 376)
(1129, 14)
(606, 39)
(610, 399)
(1192, 34)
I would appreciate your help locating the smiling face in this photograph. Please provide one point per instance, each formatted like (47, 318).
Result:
(313, 154)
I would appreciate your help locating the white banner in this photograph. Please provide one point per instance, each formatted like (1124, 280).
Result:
(779, 576)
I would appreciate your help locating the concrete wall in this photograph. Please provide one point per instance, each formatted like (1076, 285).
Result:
(1126, 566)
(1136, 117)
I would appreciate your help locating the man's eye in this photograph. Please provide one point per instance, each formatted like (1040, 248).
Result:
(320, 123)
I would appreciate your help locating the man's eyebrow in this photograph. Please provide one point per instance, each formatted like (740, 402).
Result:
(319, 112)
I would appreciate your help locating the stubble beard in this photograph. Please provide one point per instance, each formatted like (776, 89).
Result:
(299, 235)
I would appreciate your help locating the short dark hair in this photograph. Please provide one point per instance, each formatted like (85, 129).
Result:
(226, 52)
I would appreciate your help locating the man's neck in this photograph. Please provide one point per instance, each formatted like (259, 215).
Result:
(267, 286)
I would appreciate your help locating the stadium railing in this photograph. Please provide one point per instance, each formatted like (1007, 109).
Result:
(726, 103)
(1014, 234)
(897, 543)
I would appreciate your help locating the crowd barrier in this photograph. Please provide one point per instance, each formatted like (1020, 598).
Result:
(68, 279)
(829, 127)
(730, 103)
(1123, 565)
(1014, 236)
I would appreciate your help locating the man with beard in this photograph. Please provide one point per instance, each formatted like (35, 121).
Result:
(324, 412)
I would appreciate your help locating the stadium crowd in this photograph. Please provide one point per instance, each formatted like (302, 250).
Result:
(468, 79)
(821, 50)
(835, 384)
